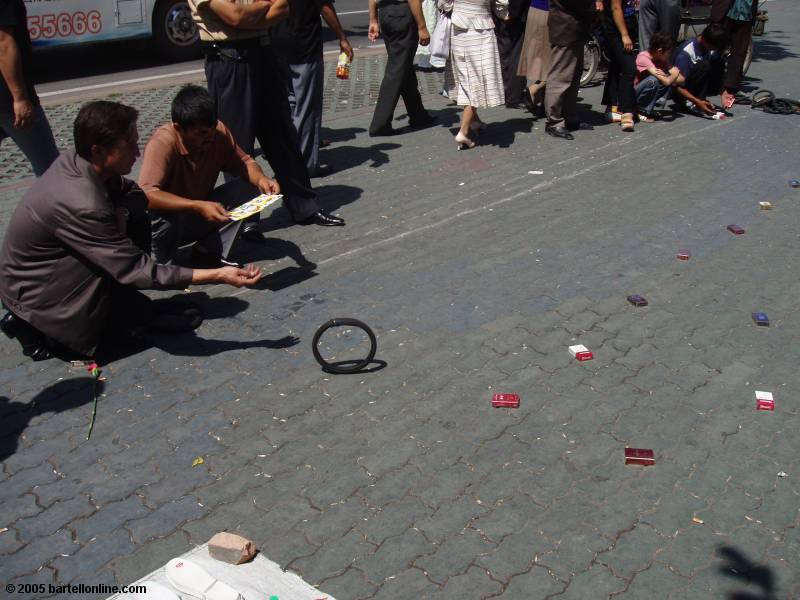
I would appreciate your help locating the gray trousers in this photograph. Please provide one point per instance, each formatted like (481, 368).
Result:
(36, 142)
(172, 230)
(306, 84)
(658, 15)
(563, 81)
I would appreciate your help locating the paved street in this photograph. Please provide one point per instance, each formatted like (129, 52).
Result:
(476, 273)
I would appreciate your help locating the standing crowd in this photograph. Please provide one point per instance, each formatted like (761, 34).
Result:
(85, 239)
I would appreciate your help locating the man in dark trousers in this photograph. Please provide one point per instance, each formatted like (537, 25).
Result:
(658, 15)
(569, 25)
(510, 35)
(402, 25)
(251, 97)
(297, 42)
(69, 269)
(21, 117)
(737, 17)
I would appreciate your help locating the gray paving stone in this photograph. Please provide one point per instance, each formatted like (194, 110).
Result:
(410, 583)
(454, 555)
(96, 553)
(108, 518)
(165, 519)
(393, 556)
(54, 518)
(150, 557)
(39, 552)
(475, 583)
(350, 584)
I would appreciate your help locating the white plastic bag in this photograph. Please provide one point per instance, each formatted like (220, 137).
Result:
(440, 41)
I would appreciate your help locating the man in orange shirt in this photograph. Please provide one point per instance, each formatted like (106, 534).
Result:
(182, 162)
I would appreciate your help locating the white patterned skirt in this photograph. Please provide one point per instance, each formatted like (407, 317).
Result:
(472, 74)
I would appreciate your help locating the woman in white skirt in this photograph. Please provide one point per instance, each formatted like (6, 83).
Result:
(473, 78)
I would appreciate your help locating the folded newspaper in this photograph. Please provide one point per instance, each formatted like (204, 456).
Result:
(256, 205)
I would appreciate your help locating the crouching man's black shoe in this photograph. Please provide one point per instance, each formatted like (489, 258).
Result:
(323, 219)
(30, 338)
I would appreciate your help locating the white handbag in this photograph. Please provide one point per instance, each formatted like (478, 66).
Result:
(440, 41)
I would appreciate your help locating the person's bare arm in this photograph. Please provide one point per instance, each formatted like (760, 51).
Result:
(11, 69)
(619, 21)
(660, 75)
(256, 177)
(416, 12)
(703, 105)
(374, 31)
(164, 201)
(332, 19)
(676, 77)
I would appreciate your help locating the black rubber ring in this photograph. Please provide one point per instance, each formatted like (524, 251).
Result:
(336, 367)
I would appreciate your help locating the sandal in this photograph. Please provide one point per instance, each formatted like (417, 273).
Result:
(626, 123)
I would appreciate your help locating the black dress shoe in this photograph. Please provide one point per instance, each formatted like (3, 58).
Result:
(252, 233)
(383, 132)
(579, 126)
(324, 219)
(321, 171)
(422, 122)
(559, 132)
(31, 339)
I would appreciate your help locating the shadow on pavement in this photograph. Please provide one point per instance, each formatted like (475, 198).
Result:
(738, 566)
(766, 48)
(342, 158)
(344, 134)
(61, 396)
(330, 198)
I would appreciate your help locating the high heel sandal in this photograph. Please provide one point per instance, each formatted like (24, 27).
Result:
(463, 142)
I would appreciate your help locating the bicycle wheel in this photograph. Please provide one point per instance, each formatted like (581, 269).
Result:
(591, 62)
(748, 59)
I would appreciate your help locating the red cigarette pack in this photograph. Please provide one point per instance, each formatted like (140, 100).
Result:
(505, 401)
(639, 456)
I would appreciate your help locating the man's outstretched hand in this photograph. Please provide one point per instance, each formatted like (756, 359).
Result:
(249, 275)
(268, 186)
(212, 211)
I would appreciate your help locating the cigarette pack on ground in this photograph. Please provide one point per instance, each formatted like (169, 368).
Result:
(639, 456)
(735, 229)
(637, 300)
(684, 255)
(761, 319)
(795, 183)
(764, 401)
(765, 205)
(256, 205)
(581, 352)
(505, 401)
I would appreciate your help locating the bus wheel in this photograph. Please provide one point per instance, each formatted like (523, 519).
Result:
(174, 31)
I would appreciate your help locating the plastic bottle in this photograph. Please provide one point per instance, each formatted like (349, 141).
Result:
(343, 66)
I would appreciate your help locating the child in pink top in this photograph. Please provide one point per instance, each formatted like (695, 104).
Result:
(655, 75)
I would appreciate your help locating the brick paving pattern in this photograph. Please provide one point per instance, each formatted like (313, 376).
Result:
(476, 276)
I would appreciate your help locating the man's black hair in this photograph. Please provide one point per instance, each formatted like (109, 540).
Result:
(716, 36)
(102, 123)
(661, 39)
(194, 107)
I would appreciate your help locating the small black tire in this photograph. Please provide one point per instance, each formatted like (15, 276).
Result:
(174, 32)
(591, 62)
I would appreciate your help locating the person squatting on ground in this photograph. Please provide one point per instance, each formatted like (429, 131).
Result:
(702, 68)
(737, 18)
(620, 31)
(181, 164)
(658, 15)
(69, 269)
(251, 97)
(297, 43)
(534, 59)
(21, 116)
(655, 76)
(402, 26)
(473, 76)
(569, 25)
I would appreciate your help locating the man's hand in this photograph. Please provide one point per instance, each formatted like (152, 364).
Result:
(236, 277)
(424, 36)
(266, 185)
(374, 31)
(659, 73)
(23, 113)
(707, 107)
(212, 211)
(344, 46)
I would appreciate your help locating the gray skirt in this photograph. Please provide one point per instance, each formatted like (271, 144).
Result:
(534, 60)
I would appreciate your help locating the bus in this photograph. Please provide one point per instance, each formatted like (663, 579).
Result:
(54, 23)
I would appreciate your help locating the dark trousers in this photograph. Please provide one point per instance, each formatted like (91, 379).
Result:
(306, 86)
(172, 230)
(563, 81)
(658, 15)
(706, 78)
(399, 31)
(510, 36)
(251, 100)
(618, 90)
(36, 142)
(740, 32)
